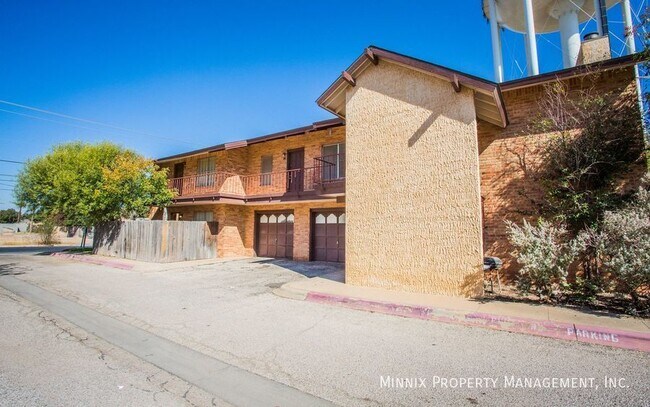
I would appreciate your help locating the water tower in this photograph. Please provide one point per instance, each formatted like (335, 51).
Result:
(531, 17)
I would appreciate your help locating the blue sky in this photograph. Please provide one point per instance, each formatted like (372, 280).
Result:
(194, 74)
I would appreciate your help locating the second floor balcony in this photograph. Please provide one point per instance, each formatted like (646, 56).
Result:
(325, 178)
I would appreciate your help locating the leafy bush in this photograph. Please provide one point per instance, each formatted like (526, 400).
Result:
(47, 231)
(594, 137)
(544, 256)
(614, 255)
(589, 250)
(627, 248)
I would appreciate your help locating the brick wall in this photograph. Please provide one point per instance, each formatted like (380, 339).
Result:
(248, 160)
(504, 154)
(311, 142)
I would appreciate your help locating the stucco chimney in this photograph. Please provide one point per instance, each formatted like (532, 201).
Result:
(594, 48)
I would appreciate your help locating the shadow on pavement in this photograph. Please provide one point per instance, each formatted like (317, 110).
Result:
(327, 270)
(32, 250)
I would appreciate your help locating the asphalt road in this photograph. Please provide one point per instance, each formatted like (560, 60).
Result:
(227, 312)
(46, 361)
(18, 250)
(234, 385)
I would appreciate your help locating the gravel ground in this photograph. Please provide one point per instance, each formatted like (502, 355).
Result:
(227, 310)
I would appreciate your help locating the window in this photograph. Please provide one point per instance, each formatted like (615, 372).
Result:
(205, 177)
(204, 216)
(333, 161)
(267, 169)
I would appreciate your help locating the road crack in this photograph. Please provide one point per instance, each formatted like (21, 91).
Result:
(63, 330)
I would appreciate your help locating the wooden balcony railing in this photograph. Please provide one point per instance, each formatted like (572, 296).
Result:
(200, 184)
(256, 185)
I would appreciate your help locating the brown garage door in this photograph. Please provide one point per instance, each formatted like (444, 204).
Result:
(328, 235)
(275, 234)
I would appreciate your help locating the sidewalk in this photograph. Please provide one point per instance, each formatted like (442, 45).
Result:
(542, 320)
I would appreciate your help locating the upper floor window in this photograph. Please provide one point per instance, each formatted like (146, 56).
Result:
(205, 171)
(333, 161)
(267, 169)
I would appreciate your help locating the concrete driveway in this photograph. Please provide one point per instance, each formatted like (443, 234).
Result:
(227, 311)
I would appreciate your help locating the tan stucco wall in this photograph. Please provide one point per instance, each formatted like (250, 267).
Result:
(413, 185)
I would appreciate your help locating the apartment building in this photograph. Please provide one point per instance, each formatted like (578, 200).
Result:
(280, 195)
(409, 185)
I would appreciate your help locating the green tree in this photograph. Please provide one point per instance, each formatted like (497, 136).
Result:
(81, 184)
(8, 215)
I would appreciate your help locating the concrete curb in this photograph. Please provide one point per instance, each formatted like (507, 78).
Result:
(84, 258)
(551, 329)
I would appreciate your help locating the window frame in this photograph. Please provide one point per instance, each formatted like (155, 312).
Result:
(340, 162)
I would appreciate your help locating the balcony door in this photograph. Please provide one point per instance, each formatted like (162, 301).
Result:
(205, 172)
(295, 169)
(179, 172)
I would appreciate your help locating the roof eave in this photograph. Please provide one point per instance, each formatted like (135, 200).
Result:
(320, 125)
(331, 99)
(609, 64)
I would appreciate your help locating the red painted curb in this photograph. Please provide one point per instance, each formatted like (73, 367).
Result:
(94, 260)
(550, 329)
(612, 337)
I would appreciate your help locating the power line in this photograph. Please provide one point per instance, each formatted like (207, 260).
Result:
(112, 126)
(13, 162)
(8, 175)
(58, 122)
(66, 124)
(3, 189)
(7, 185)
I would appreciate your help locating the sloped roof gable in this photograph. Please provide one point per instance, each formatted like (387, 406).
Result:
(487, 95)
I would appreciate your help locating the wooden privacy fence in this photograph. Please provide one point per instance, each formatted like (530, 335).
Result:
(156, 241)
